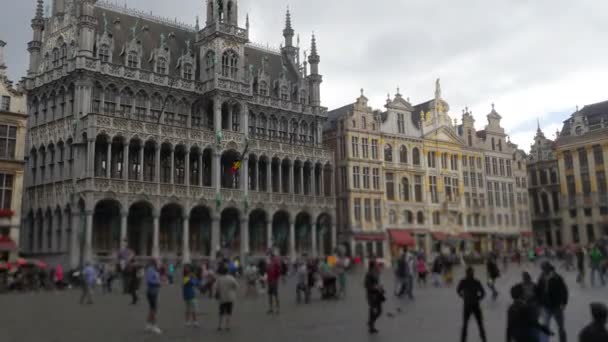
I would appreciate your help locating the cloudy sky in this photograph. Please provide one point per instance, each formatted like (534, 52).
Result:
(536, 60)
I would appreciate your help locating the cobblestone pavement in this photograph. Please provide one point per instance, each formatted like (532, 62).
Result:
(433, 316)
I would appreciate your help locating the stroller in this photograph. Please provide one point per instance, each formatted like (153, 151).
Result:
(329, 288)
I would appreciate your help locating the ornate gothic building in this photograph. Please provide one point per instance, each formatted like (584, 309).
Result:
(137, 125)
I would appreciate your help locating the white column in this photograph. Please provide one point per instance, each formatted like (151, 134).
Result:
(217, 171)
(186, 240)
(74, 241)
(155, 236)
(245, 175)
(125, 162)
(109, 161)
(215, 235)
(217, 114)
(187, 172)
(123, 228)
(88, 241)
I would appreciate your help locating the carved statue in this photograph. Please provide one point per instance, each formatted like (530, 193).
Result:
(134, 29)
(105, 22)
(162, 40)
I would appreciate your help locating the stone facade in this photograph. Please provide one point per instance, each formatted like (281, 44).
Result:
(13, 119)
(582, 156)
(410, 175)
(544, 189)
(175, 141)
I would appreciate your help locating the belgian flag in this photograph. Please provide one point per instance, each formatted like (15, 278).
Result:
(236, 166)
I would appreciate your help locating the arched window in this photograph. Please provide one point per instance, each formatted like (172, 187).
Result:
(403, 154)
(283, 128)
(262, 125)
(405, 189)
(284, 93)
(303, 132)
(493, 144)
(109, 100)
(416, 156)
(294, 131)
(408, 217)
(392, 217)
(436, 218)
(132, 59)
(141, 105)
(188, 71)
(210, 64)
(252, 126)
(230, 64)
(96, 96)
(469, 137)
(161, 65)
(104, 53)
(64, 54)
(55, 57)
(156, 106)
(126, 101)
(303, 97)
(420, 218)
(313, 133)
(263, 88)
(272, 127)
(388, 153)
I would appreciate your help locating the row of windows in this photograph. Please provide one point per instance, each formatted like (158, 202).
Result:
(472, 179)
(498, 167)
(544, 176)
(367, 209)
(600, 177)
(500, 194)
(405, 189)
(8, 141)
(583, 161)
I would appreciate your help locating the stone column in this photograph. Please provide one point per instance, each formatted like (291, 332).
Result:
(269, 176)
(187, 172)
(125, 162)
(292, 239)
(140, 177)
(124, 215)
(245, 175)
(313, 181)
(592, 175)
(255, 176)
(292, 176)
(109, 161)
(244, 238)
(280, 176)
(301, 179)
(74, 241)
(186, 239)
(91, 158)
(245, 119)
(217, 114)
(322, 182)
(155, 235)
(88, 240)
(217, 182)
(157, 164)
(313, 245)
(172, 180)
(269, 241)
(215, 235)
(334, 237)
(200, 169)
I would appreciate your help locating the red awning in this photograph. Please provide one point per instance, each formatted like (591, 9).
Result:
(7, 244)
(369, 237)
(439, 236)
(401, 237)
(526, 234)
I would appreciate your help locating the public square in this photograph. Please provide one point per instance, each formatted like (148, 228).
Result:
(433, 316)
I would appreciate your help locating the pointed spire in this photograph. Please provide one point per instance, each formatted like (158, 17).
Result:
(437, 89)
(398, 94)
(537, 124)
(247, 22)
(313, 46)
(197, 27)
(288, 19)
(40, 9)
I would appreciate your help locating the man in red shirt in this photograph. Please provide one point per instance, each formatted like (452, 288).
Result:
(272, 277)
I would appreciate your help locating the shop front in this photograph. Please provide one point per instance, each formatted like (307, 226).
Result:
(7, 246)
(400, 238)
(368, 245)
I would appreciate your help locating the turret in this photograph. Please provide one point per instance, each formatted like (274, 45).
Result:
(34, 47)
(290, 50)
(222, 11)
(86, 27)
(58, 8)
(2, 63)
(314, 78)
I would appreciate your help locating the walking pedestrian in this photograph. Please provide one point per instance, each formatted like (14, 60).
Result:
(596, 259)
(340, 269)
(89, 278)
(273, 275)
(552, 293)
(493, 274)
(153, 285)
(171, 273)
(132, 280)
(226, 288)
(421, 269)
(522, 319)
(596, 330)
(302, 282)
(437, 270)
(580, 265)
(375, 295)
(472, 293)
(189, 285)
